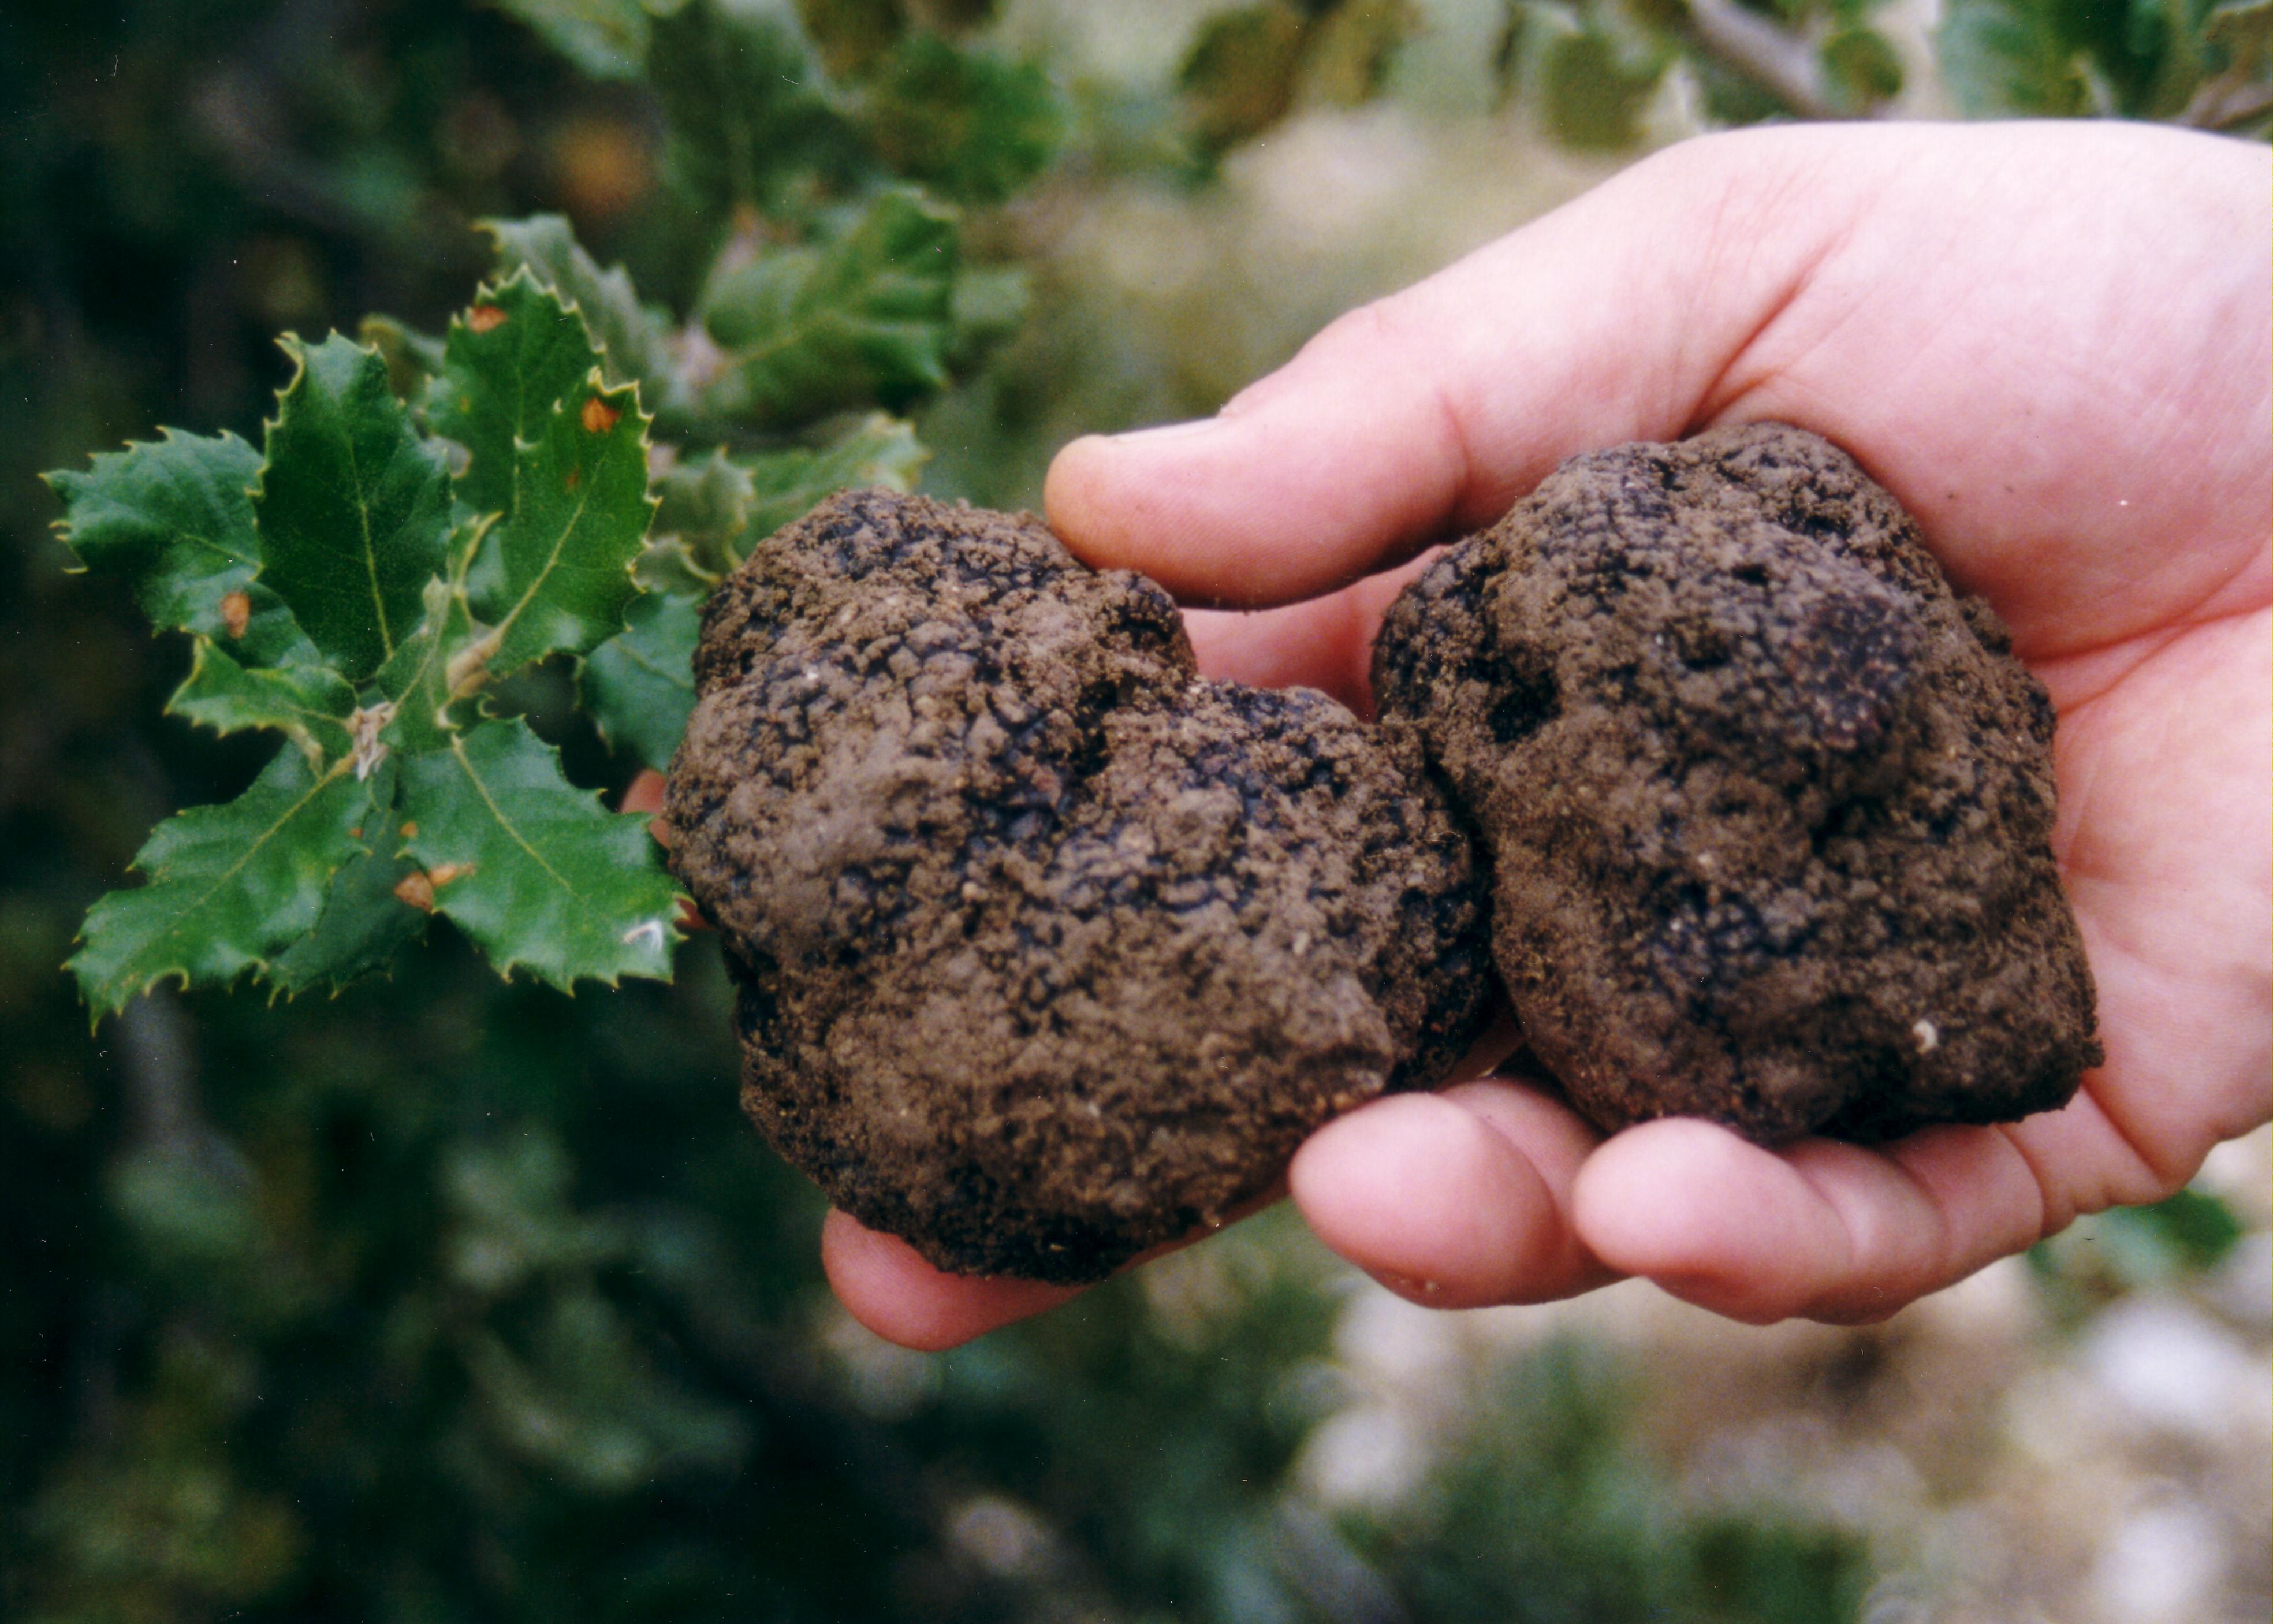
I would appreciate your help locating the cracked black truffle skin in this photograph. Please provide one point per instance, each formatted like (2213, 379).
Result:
(1048, 949)
(1767, 803)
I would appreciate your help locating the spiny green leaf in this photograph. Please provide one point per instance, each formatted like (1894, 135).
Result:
(365, 920)
(740, 88)
(581, 511)
(701, 510)
(712, 512)
(508, 361)
(532, 869)
(444, 663)
(639, 686)
(705, 506)
(413, 358)
(352, 507)
(311, 705)
(976, 127)
(630, 336)
(866, 317)
(230, 886)
(174, 519)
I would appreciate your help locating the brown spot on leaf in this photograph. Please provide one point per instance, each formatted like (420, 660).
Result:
(442, 873)
(236, 611)
(416, 890)
(575, 477)
(410, 831)
(485, 318)
(598, 416)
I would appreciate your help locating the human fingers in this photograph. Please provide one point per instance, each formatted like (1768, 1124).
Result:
(2049, 341)
(1323, 643)
(1429, 409)
(1844, 1233)
(1457, 1199)
(885, 1284)
(644, 793)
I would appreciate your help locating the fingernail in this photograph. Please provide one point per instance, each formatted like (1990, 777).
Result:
(1406, 1285)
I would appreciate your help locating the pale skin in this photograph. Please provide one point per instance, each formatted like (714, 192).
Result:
(2055, 345)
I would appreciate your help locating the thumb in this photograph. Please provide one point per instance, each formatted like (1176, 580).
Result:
(1615, 317)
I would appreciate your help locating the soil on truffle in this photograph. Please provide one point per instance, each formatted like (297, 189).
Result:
(1048, 949)
(1767, 803)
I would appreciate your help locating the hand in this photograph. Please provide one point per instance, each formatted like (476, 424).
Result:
(2052, 343)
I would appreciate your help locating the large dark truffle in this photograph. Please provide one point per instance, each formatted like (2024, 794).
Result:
(1049, 949)
(1767, 803)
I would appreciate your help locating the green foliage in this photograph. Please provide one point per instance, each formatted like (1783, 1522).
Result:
(1583, 1530)
(529, 867)
(565, 547)
(866, 315)
(1592, 73)
(352, 506)
(449, 1298)
(363, 924)
(507, 364)
(639, 686)
(428, 518)
(1248, 67)
(628, 334)
(974, 127)
(2111, 1254)
(374, 652)
(1592, 68)
(155, 1522)
(607, 39)
(227, 887)
(2206, 63)
(748, 113)
(174, 519)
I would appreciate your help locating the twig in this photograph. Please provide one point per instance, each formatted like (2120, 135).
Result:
(1779, 63)
(2227, 102)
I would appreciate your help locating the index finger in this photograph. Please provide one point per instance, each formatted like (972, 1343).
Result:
(2048, 341)
(1431, 411)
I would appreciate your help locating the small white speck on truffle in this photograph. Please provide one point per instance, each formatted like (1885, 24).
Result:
(1928, 1036)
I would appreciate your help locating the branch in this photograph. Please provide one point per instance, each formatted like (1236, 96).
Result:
(2227, 102)
(1779, 63)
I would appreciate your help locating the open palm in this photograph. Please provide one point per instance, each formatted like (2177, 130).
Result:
(2054, 343)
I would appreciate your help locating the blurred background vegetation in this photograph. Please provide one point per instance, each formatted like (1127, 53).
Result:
(447, 1299)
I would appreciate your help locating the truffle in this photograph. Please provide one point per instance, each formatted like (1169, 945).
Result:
(1767, 803)
(1048, 949)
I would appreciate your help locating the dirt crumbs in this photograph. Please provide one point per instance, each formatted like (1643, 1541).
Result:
(1048, 949)
(1767, 803)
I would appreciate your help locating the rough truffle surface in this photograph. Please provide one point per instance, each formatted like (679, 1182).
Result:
(1049, 949)
(1767, 803)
